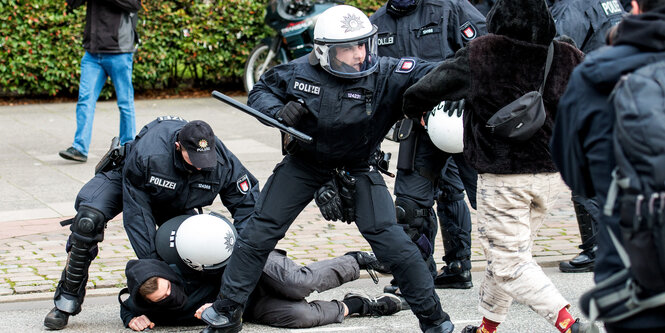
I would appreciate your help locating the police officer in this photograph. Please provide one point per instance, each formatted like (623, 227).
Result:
(432, 30)
(171, 168)
(347, 99)
(587, 22)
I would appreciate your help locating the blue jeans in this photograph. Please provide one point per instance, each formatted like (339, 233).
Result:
(95, 68)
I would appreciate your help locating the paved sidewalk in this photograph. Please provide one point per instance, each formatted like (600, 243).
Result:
(38, 188)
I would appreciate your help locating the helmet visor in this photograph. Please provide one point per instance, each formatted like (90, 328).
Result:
(353, 59)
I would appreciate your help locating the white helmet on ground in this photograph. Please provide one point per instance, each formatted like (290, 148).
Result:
(201, 242)
(345, 42)
(445, 128)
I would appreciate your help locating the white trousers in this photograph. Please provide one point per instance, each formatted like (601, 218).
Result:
(511, 209)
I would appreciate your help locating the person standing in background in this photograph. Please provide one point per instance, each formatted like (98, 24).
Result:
(109, 41)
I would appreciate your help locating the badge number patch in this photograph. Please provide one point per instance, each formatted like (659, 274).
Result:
(243, 184)
(405, 65)
(468, 31)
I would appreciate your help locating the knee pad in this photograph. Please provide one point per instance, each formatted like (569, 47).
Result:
(449, 193)
(410, 213)
(88, 225)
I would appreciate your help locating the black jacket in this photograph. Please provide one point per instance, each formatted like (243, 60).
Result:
(586, 21)
(200, 288)
(582, 138)
(434, 31)
(157, 185)
(347, 118)
(110, 25)
(491, 72)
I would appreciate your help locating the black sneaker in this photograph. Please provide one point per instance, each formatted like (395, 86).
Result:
(73, 155)
(453, 277)
(470, 329)
(383, 305)
(583, 262)
(229, 320)
(56, 319)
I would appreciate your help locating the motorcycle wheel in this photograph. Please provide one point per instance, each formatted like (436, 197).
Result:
(254, 67)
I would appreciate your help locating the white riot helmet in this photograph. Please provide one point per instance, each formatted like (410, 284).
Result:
(345, 42)
(201, 242)
(446, 129)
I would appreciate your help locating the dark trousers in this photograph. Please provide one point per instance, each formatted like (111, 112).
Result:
(279, 297)
(288, 190)
(441, 176)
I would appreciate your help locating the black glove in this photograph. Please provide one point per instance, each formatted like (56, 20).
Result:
(291, 113)
(347, 193)
(454, 106)
(328, 201)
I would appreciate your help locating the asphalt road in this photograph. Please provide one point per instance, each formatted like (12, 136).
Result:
(101, 314)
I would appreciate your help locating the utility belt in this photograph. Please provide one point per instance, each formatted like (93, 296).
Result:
(113, 158)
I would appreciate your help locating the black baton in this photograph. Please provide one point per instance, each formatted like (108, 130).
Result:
(262, 117)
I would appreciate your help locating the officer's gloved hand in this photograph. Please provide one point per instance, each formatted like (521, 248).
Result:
(327, 198)
(452, 107)
(291, 113)
(347, 194)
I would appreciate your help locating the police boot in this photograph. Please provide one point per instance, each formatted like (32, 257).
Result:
(393, 288)
(56, 319)
(453, 276)
(579, 327)
(583, 262)
(224, 316)
(445, 327)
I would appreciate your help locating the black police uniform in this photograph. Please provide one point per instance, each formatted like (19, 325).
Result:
(347, 118)
(167, 184)
(433, 30)
(586, 21)
(158, 184)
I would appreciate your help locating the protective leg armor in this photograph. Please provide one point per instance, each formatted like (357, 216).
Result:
(418, 223)
(87, 230)
(583, 262)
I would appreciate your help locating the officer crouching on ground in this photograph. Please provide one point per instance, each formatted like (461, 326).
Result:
(195, 250)
(347, 99)
(171, 168)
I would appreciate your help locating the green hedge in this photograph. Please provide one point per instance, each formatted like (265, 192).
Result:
(183, 44)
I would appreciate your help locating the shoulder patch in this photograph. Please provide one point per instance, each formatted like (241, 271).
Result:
(405, 65)
(243, 184)
(468, 31)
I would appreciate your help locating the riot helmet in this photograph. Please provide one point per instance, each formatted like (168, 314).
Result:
(446, 129)
(200, 242)
(345, 42)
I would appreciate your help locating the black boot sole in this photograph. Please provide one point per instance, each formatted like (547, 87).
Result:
(231, 329)
(576, 269)
(455, 285)
(54, 325)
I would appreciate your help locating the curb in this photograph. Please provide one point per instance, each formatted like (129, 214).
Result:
(477, 266)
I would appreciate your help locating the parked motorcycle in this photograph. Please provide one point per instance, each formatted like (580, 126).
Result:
(294, 21)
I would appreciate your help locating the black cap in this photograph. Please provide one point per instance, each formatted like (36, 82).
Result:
(198, 139)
